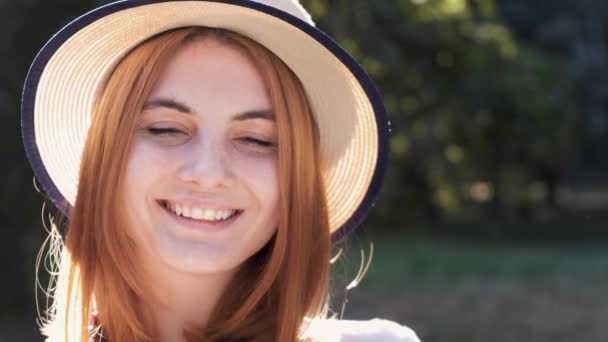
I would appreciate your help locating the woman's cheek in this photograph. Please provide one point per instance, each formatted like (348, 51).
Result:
(259, 170)
(261, 175)
(145, 164)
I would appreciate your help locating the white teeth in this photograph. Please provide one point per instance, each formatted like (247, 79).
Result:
(208, 215)
(196, 213)
(200, 214)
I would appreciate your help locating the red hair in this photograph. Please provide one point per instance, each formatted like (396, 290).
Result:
(285, 282)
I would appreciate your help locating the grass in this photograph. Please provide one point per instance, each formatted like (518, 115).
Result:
(473, 292)
(399, 261)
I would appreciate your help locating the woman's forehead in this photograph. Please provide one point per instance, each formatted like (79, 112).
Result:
(209, 75)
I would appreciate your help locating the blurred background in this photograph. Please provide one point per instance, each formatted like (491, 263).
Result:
(492, 222)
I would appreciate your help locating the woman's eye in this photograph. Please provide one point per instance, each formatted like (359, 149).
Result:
(164, 131)
(258, 142)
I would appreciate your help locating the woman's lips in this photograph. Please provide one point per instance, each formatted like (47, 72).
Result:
(200, 224)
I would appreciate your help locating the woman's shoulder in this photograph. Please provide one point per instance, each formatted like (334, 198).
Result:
(333, 330)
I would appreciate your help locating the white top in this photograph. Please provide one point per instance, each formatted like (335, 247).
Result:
(375, 330)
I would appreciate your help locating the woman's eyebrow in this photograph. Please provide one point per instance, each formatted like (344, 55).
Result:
(266, 114)
(254, 114)
(169, 103)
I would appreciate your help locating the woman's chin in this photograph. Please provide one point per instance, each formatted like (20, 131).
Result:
(192, 256)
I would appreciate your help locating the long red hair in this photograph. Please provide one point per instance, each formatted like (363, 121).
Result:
(274, 291)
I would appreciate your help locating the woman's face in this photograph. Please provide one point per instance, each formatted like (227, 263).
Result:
(201, 180)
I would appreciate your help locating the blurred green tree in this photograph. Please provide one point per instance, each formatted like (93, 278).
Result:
(484, 125)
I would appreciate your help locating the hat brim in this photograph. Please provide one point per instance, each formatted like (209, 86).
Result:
(68, 72)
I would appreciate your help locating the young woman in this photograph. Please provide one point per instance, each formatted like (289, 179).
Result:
(205, 154)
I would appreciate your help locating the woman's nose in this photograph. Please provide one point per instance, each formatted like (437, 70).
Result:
(207, 165)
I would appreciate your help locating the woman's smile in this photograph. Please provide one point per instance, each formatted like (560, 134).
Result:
(199, 216)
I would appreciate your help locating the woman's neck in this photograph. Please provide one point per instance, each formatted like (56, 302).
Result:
(182, 299)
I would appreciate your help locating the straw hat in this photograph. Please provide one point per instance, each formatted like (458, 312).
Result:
(69, 70)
